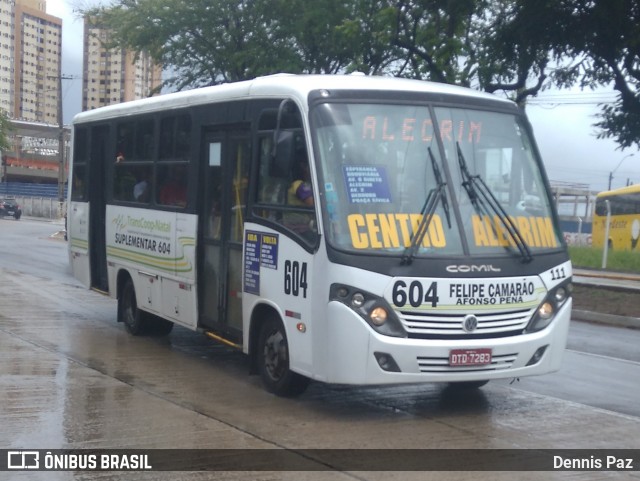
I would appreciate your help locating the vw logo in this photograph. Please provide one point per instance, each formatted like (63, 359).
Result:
(470, 323)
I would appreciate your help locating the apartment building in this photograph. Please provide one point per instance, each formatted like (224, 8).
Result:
(114, 75)
(30, 60)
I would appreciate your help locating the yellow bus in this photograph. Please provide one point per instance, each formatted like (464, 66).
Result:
(624, 225)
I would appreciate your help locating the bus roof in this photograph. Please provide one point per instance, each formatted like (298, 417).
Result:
(279, 85)
(630, 189)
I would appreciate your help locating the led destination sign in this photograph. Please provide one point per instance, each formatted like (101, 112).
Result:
(389, 231)
(419, 130)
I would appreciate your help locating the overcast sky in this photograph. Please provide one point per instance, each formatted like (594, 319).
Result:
(562, 121)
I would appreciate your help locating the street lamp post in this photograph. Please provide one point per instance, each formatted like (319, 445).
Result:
(61, 138)
(617, 167)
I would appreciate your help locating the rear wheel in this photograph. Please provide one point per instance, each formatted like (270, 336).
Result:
(273, 361)
(135, 321)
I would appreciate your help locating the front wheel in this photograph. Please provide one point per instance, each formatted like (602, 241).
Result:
(273, 361)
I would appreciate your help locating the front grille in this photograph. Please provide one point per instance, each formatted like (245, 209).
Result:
(425, 325)
(441, 364)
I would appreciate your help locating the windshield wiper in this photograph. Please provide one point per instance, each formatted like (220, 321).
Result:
(438, 193)
(484, 201)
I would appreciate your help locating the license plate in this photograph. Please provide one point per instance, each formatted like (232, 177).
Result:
(469, 357)
(10, 212)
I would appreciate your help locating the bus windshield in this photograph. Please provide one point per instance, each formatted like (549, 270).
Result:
(379, 168)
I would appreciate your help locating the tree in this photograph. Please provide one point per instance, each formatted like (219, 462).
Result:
(492, 45)
(206, 42)
(607, 36)
(513, 48)
(369, 32)
(591, 43)
(201, 42)
(5, 131)
(435, 36)
(311, 34)
(518, 47)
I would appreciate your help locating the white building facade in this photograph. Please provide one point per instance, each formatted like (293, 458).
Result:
(30, 60)
(114, 75)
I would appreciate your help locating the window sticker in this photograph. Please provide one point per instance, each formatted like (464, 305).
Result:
(252, 263)
(260, 250)
(367, 184)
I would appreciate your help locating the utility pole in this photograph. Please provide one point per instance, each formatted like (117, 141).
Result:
(61, 159)
(60, 146)
(619, 164)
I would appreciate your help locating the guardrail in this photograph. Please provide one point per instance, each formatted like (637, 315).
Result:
(45, 207)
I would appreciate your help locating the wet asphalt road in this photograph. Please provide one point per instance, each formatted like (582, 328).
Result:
(70, 377)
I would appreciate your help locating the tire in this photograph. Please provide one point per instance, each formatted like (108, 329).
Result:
(273, 361)
(467, 384)
(135, 321)
(158, 326)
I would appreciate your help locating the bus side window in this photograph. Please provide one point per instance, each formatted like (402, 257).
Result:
(272, 183)
(142, 188)
(81, 156)
(125, 142)
(172, 185)
(79, 191)
(132, 175)
(174, 156)
(175, 138)
(281, 181)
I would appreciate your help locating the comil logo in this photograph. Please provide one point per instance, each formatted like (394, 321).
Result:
(472, 268)
(23, 460)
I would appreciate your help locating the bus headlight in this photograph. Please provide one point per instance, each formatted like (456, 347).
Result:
(357, 300)
(547, 310)
(378, 316)
(373, 309)
(561, 294)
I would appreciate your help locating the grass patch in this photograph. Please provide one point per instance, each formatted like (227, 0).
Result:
(591, 258)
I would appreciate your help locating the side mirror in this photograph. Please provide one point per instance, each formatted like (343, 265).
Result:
(286, 111)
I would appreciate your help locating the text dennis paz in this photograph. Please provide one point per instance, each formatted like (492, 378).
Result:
(612, 463)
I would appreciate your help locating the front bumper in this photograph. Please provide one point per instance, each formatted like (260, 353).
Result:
(352, 344)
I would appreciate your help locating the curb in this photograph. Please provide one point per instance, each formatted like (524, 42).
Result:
(618, 276)
(57, 220)
(608, 319)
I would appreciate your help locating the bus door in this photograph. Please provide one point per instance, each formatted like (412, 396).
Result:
(226, 171)
(99, 166)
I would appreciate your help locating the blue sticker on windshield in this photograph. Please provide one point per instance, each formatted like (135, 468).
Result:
(367, 184)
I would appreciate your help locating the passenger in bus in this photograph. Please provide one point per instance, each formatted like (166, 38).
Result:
(174, 190)
(300, 192)
(142, 187)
